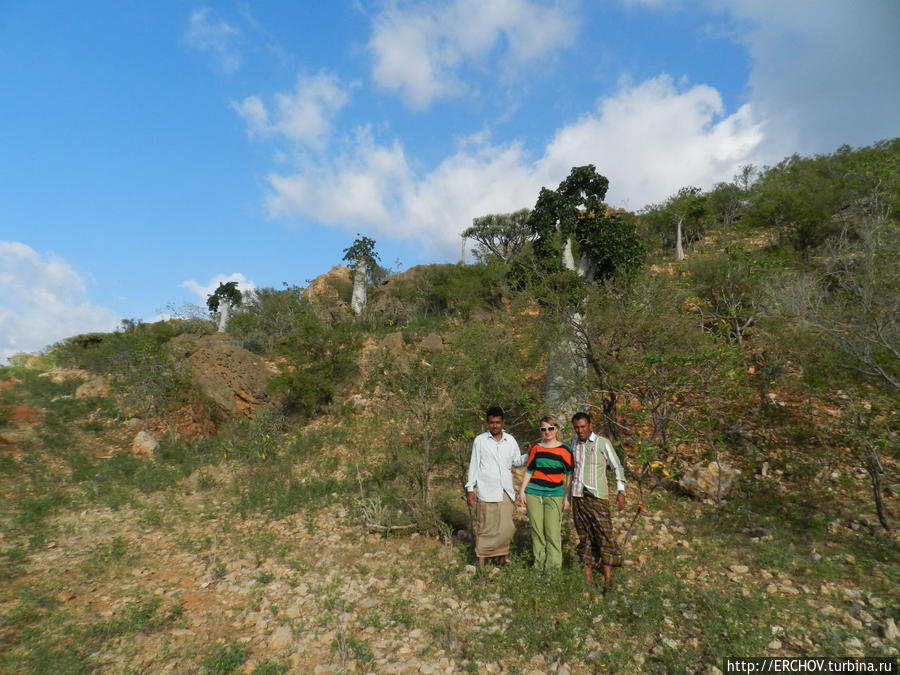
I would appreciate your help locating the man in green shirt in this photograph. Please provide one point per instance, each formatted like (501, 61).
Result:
(597, 544)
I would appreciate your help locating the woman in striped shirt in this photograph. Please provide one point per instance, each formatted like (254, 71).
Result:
(545, 494)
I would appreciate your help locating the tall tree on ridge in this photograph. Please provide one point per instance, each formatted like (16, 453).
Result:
(361, 254)
(225, 298)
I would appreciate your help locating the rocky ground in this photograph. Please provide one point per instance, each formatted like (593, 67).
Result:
(314, 593)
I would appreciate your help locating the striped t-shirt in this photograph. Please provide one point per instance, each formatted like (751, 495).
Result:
(548, 467)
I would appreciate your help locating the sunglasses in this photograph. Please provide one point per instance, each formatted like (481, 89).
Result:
(548, 428)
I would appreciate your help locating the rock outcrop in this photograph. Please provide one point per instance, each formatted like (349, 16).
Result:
(229, 375)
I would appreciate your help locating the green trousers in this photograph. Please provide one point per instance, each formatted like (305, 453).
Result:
(545, 515)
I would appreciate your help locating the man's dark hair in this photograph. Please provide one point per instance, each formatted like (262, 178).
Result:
(494, 411)
(581, 416)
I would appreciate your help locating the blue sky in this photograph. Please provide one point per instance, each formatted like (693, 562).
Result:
(150, 150)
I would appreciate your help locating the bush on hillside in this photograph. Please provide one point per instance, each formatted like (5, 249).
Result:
(321, 359)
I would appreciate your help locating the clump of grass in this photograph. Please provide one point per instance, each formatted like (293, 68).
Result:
(140, 616)
(221, 659)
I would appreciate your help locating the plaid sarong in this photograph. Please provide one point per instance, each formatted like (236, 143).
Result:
(494, 527)
(596, 541)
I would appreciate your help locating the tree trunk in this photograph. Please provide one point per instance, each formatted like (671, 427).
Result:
(679, 249)
(358, 301)
(224, 309)
(566, 371)
(566, 366)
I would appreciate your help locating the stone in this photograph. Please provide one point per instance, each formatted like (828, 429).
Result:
(774, 645)
(393, 342)
(852, 622)
(95, 387)
(432, 343)
(889, 630)
(739, 569)
(143, 444)
(713, 481)
(231, 376)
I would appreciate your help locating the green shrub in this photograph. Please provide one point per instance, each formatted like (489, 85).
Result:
(322, 358)
(221, 659)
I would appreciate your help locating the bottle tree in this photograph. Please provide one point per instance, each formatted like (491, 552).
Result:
(225, 298)
(576, 243)
(362, 256)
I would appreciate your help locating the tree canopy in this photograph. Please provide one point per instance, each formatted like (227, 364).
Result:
(226, 292)
(503, 235)
(362, 250)
(572, 221)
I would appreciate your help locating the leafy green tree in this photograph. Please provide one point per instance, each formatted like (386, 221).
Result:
(225, 298)
(502, 235)
(678, 218)
(731, 290)
(574, 232)
(362, 256)
(267, 318)
(726, 203)
(322, 359)
(640, 347)
(576, 243)
(438, 399)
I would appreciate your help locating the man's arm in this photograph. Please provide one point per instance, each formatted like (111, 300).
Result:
(518, 458)
(523, 500)
(471, 478)
(613, 459)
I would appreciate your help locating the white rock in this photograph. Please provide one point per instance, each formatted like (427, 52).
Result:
(143, 444)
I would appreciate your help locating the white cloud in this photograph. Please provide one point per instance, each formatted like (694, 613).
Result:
(649, 140)
(302, 116)
(654, 138)
(824, 73)
(203, 291)
(418, 51)
(42, 300)
(208, 32)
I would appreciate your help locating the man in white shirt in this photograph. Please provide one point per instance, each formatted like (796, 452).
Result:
(489, 487)
(597, 544)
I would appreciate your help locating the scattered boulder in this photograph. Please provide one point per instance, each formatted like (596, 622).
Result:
(889, 630)
(393, 342)
(143, 444)
(95, 387)
(358, 401)
(281, 639)
(713, 481)
(432, 343)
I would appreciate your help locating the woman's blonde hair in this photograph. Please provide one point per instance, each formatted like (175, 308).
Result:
(551, 420)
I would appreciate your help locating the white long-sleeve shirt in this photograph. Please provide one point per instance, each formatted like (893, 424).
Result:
(489, 467)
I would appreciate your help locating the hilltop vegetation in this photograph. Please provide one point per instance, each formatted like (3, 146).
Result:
(321, 524)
